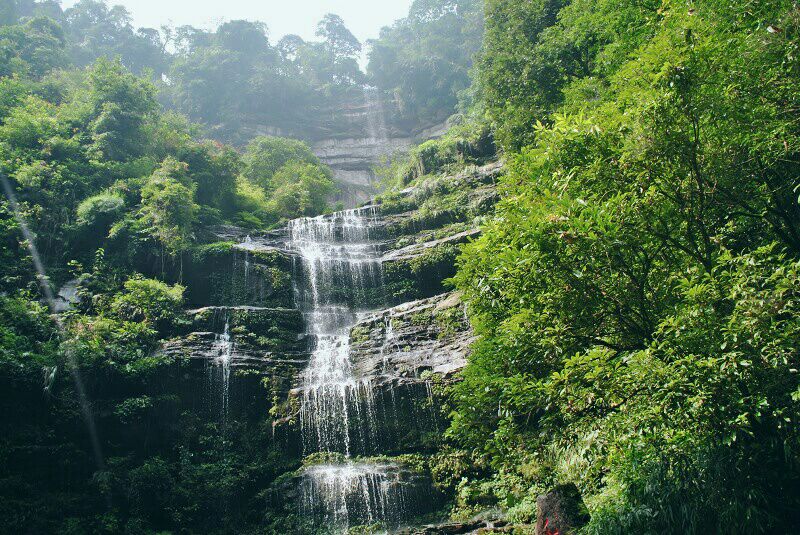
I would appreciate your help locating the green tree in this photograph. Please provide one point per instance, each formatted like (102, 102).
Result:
(33, 48)
(100, 210)
(150, 301)
(97, 30)
(423, 60)
(337, 37)
(301, 189)
(264, 156)
(644, 246)
(212, 169)
(117, 107)
(168, 210)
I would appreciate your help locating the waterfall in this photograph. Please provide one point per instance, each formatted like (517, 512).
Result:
(341, 270)
(340, 277)
(355, 493)
(224, 349)
(388, 342)
(375, 117)
(247, 245)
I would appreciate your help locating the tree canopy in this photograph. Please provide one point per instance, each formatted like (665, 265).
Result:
(635, 297)
(424, 59)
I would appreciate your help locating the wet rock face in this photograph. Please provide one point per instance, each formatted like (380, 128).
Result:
(419, 270)
(561, 511)
(269, 341)
(418, 233)
(241, 362)
(366, 142)
(224, 274)
(330, 495)
(397, 357)
(399, 345)
(353, 160)
(440, 202)
(425, 226)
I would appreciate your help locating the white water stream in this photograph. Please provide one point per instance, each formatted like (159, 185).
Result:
(345, 494)
(224, 348)
(341, 271)
(340, 266)
(375, 117)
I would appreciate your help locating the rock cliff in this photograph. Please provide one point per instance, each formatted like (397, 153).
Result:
(355, 132)
(247, 340)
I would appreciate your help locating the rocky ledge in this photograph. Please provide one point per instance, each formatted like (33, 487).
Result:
(416, 250)
(269, 341)
(404, 344)
(469, 527)
(438, 202)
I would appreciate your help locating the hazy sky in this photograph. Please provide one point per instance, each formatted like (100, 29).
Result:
(363, 17)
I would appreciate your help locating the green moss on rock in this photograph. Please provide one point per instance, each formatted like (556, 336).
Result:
(220, 274)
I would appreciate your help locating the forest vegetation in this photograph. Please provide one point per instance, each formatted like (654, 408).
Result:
(634, 295)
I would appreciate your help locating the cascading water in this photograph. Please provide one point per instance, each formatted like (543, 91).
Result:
(388, 343)
(341, 269)
(375, 116)
(346, 494)
(224, 348)
(340, 277)
(248, 242)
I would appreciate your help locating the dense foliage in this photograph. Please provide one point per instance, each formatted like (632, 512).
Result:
(424, 59)
(113, 195)
(235, 81)
(98, 162)
(637, 295)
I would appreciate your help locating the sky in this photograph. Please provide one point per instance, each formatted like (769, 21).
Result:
(363, 17)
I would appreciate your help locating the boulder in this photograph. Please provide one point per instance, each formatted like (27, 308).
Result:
(560, 511)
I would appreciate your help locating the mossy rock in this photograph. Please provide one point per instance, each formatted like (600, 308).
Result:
(219, 274)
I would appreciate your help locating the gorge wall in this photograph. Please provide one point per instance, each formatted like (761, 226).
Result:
(330, 340)
(354, 133)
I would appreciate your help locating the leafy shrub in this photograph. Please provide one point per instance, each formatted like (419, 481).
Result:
(150, 301)
(300, 189)
(265, 156)
(27, 333)
(100, 210)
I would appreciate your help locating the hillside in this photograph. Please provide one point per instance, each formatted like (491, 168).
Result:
(535, 270)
